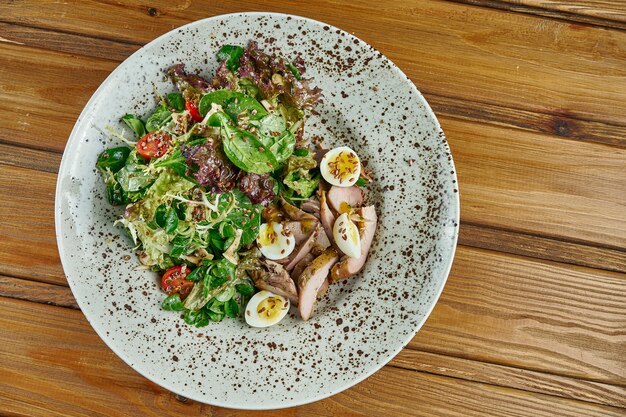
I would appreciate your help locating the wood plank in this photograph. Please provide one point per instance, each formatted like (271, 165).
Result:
(28, 246)
(544, 66)
(19, 156)
(528, 182)
(559, 125)
(65, 42)
(596, 12)
(55, 93)
(531, 314)
(38, 292)
(479, 236)
(46, 344)
(511, 377)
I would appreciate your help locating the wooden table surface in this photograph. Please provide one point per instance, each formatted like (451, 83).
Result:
(532, 97)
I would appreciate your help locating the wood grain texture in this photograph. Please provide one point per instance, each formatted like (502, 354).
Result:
(19, 156)
(511, 377)
(531, 314)
(38, 292)
(596, 12)
(533, 106)
(560, 124)
(408, 359)
(60, 87)
(544, 66)
(536, 246)
(528, 182)
(46, 344)
(28, 246)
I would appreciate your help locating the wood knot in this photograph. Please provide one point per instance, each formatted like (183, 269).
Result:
(153, 12)
(561, 127)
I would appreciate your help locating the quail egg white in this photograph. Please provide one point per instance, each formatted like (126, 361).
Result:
(341, 167)
(347, 237)
(275, 241)
(265, 309)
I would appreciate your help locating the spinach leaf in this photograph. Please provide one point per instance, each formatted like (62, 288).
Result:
(246, 216)
(198, 318)
(160, 116)
(282, 148)
(179, 247)
(216, 317)
(176, 101)
(240, 103)
(361, 182)
(225, 295)
(115, 194)
(245, 289)
(176, 162)
(231, 55)
(171, 221)
(231, 308)
(160, 215)
(301, 152)
(296, 73)
(197, 273)
(132, 178)
(246, 151)
(113, 158)
(172, 303)
(135, 123)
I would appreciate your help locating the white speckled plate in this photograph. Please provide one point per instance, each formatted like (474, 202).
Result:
(370, 105)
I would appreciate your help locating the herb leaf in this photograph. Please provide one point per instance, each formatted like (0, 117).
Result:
(176, 101)
(171, 221)
(292, 68)
(160, 116)
(246, 151)
(113, 158)
(230, 54)
(172, 303)
(231, 308)
(135, 123)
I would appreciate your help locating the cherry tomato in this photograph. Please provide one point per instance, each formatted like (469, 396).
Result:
(154, 144)
(174, 281)
(193, 111)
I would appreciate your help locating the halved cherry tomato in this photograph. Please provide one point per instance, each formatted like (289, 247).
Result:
(193, 111)
(154, 144)
(174, 281)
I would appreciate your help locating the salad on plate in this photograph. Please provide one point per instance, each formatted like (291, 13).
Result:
(227, 198)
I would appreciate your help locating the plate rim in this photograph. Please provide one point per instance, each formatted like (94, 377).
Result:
(66, 158)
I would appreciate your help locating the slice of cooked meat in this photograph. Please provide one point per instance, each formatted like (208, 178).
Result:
(339, 197)
(323, 288)
(304, 248)
(271, 276)
(294, 213)
(311, 206)
(300, 266)
(350, 266)
(297, 231)
(321, 242)
(312, 279)
(327, 218)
